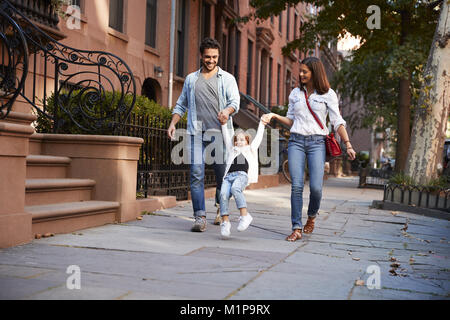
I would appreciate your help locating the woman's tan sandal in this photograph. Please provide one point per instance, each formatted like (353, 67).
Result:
(309, 226)
(295, 235)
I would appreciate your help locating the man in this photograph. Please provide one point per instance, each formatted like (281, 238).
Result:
(210, 96)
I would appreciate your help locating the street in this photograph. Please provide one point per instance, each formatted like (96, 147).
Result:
(159, 258)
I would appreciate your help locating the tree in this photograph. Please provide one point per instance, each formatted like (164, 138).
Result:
(432, 111)
(401, 46)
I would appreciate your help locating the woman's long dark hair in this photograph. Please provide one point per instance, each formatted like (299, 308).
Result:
(319, 75)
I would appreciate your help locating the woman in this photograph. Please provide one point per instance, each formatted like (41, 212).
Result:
(307, 139)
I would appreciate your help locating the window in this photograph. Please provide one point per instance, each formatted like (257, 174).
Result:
(181, 37)
(75, 3)
(206, 20)
(237, 55)
(288, 85)
(288, 23)
(249, 67)
(295, 25)
(116, 14)
(270, 82)
(280, 22)
(150, 24)
(278, 83)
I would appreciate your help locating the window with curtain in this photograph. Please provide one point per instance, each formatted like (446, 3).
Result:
(249, 67)
(150, 24)
(181, 37)
(116, 14)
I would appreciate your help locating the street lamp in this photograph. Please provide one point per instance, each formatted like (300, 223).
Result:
(158, 71)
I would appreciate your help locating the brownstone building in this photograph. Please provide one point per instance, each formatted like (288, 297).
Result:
(58, 183)
(139, 31)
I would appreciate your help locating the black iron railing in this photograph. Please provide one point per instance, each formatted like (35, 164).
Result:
(375, 178)
(157, 174)
(41, 11)
(66, 86)
(422, 197)
(262, 109)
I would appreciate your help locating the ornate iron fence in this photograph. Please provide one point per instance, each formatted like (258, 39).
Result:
(68, 87)
(423, 197)
(375, 178)
(157, 175)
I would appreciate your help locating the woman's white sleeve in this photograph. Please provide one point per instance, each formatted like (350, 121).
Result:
(333, 110)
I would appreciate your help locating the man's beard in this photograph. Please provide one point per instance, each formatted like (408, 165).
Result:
(212, 66)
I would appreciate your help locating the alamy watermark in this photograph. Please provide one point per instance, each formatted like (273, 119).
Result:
(73, 13)
(374, 280)
(190, 149)
(374, 20)
(74, 280)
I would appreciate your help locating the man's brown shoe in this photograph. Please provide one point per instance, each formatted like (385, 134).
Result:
(218, 219)
(199, 224)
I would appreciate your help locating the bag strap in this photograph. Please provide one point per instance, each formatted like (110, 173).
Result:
(312, 112)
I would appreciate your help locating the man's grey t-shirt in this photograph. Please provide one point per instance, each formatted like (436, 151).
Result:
(207, 102)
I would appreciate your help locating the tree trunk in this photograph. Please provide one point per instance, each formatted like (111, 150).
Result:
(425, 154)
(404, 104)
(403, 125)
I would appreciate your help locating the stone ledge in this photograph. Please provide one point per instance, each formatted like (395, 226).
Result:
(388, 205)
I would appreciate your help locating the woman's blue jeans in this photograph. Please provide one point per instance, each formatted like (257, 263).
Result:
(301, 149)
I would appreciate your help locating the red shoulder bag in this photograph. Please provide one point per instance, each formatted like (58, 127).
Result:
(332, 146)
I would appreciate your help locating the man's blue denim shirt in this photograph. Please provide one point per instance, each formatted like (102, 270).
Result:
(228, 97)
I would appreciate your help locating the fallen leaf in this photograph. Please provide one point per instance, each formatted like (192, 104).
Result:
(411, 261)
(359, 282)
(356, 259)
(393, 272)
(393, 259)
(139, 218)
(422, 254)
(48, 235)
(38, 236)
(395, 265)
(394, 213)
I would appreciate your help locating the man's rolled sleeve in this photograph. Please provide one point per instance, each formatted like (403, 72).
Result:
(233, 96)
(182, 103)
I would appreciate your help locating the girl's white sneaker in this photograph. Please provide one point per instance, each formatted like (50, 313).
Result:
(225, 228)
(244, 222)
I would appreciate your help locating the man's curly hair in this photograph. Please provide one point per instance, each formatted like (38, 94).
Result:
(209, 43)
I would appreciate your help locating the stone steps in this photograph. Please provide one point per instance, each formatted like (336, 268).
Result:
(48, 191)
(40, 167)
(71, 216)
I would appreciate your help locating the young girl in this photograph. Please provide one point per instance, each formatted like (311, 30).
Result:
(307, 139)
(241, 170)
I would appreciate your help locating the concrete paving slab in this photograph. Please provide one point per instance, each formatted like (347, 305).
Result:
(159, 258)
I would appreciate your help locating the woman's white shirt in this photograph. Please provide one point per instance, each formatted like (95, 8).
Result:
(321, 104)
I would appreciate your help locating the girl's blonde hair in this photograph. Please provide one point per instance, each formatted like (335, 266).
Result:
(247, 136)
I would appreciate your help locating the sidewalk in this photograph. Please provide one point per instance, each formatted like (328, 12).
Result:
(159, 258)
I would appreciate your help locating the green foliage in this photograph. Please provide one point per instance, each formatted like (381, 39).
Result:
(385, 56)
(443, 182)
(281, 110)
(402, 179)
(87, 103)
